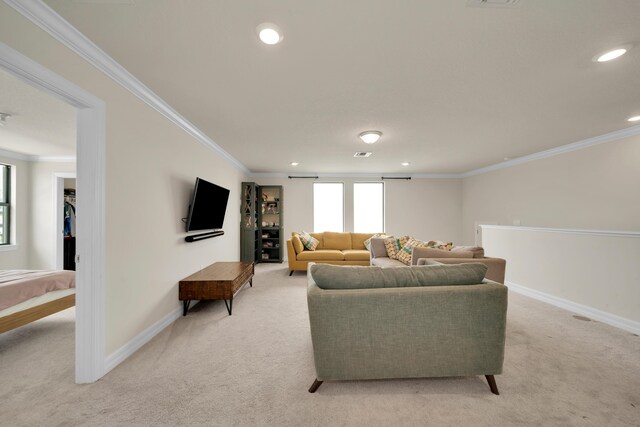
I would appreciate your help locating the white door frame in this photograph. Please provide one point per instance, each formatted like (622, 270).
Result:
(90, 147)
(58, 206)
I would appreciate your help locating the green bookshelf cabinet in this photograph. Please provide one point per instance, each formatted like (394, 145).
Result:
(261, 230)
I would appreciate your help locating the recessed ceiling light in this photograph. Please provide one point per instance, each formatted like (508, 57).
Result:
(634, 119)
(405, 163)
(294, 163)
(269, 33)
(612, 54)
(370, 136)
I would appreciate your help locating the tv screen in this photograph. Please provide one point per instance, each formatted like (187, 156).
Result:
(208, 206)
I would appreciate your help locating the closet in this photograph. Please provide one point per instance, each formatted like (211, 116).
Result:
(69, 229)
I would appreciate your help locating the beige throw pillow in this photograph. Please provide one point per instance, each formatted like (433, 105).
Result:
(367, 243)
(309, 242)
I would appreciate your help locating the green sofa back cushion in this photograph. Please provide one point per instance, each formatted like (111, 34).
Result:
(359, 277)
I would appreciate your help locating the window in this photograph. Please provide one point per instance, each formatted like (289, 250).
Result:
(5, 204)
(368, 207)
(328, 206)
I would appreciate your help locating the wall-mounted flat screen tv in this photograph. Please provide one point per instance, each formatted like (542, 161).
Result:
(208, 206)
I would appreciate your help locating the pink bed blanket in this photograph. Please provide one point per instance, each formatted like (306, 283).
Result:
(17, 286)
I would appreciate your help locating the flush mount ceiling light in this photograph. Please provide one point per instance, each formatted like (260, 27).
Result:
(3, 118)
(370, 136)
(294, 163)
(405, 163)
(269, 33)
(634, 119)
(611, 54)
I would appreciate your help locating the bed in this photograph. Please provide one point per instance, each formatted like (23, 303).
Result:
(29, 295)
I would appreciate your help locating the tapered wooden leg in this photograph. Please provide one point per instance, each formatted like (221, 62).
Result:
(291, 273)
(315, 386)
(492, 384)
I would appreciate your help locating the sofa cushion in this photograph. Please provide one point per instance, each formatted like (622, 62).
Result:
(297, 243)
(309, 242)
(404, 254)
(421, 252)
(386, 262)
(358, 239)
(339, 241)
(377, 247)
(318, 236)
(321, 255)
(356, 255)
(356, 277)
(477, 251)
(426, 261)
(394, 245)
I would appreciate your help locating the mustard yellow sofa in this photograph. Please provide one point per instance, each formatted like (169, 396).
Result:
(334, 248)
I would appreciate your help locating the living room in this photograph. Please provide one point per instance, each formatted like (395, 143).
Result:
(505, 118)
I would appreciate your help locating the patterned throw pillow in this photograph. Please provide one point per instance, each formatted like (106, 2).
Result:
(367, 243)
(439, 245)
(309, 242)
(394, 245)
(404, 255)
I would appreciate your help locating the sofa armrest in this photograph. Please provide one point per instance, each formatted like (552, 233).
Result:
(291, 252)
(495, 266)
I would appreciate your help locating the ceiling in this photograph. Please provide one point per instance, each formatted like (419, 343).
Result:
(40, 125)
(452, 88)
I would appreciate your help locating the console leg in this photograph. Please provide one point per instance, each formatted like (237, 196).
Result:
(185, 306)
(315, 386)
(291, 273)
(229, 306)
(492, 384)
(251, 282)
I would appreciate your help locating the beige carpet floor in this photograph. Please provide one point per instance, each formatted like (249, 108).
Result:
(254, 368)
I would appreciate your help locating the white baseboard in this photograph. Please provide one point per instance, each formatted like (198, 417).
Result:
(121, 354)
(593, 313)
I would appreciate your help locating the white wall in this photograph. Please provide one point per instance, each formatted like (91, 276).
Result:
(17, 257)
(595, 188)
(151, 166)
(426, 209)
(598, 272)
(42, 242)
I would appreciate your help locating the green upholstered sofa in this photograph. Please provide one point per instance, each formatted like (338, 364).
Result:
(371, 325)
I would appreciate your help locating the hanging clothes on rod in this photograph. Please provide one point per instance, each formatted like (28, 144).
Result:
(69, 230)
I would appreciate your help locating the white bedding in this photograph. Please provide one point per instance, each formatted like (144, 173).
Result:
(35, 301)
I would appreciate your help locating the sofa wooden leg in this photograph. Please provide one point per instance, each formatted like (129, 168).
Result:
(492, 384)
(291, 273)
(315, 386)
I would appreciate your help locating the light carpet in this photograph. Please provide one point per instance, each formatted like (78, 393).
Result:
(254, 368)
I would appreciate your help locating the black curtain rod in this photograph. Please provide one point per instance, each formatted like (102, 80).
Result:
(292, 177)
(396, 177)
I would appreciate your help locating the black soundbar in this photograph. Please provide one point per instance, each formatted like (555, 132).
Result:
(197, 237)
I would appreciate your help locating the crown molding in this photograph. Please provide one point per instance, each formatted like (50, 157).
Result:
(13, 155)
(31, 158)
(356, 175)
(46, 18)
(578, 145)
